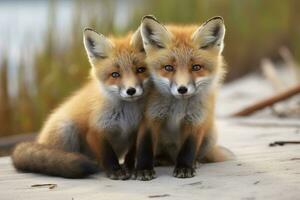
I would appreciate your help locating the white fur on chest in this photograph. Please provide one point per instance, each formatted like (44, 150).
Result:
(122, 117)
(174, 111)
(120, 122)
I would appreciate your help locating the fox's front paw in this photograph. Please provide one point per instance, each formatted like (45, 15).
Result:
(119, 174)
(184, 172)
(144, 175)
(127, 169)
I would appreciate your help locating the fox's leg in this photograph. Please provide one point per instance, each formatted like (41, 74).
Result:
(106, 156)
(129, 160)
(146, 145)
(192, 137)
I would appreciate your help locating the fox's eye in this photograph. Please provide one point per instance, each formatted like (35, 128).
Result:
(169, 68)
(115, 74)
(196, 67)
(140, 69)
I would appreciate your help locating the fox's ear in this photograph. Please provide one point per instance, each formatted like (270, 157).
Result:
(154, 34)
(96, 45)
(136, 40)
(210, 34)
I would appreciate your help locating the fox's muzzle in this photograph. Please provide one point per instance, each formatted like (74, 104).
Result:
(183, 85)
(131, 93)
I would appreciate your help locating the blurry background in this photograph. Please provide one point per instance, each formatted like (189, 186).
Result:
(42, 58)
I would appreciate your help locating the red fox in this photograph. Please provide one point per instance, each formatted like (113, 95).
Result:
(187, 67)
(100, 121)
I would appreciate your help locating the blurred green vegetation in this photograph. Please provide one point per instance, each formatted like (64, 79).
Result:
(255, 29)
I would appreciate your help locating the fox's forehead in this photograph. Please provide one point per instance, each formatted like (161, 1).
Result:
(182, 56)
(128, 59)
(182, 36)
(122, 44)
(183, 49)
(124, 55)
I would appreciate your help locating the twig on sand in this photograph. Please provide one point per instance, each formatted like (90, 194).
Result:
(256, 182)
(268, 101)
(281, 143)
(49, 185)
(159, 195)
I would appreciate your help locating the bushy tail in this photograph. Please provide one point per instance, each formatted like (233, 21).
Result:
(33, 157)
(219, 154)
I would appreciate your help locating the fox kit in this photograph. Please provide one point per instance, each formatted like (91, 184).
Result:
(186, 67)
(100, 121)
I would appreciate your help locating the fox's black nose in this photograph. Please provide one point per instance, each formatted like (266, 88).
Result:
(131, 91)
(182, 90)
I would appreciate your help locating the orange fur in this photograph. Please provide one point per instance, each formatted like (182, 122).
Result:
(80, 124)
(181, 122)
(182, 44)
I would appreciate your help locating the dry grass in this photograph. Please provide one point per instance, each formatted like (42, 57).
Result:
(255, 29)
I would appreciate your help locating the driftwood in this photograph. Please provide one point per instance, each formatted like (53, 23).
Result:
(288, 58)
(271, 74)
(269, 101)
